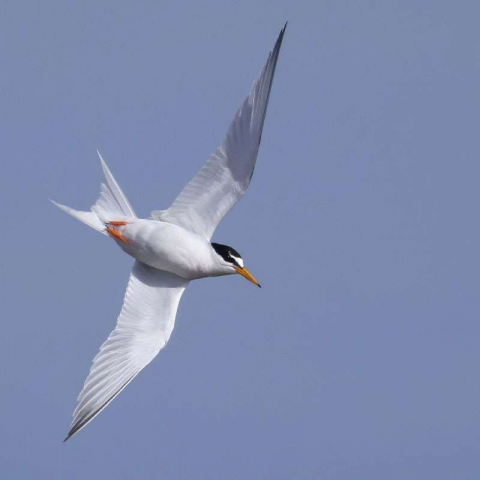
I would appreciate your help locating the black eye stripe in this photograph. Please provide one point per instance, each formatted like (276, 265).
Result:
(227, 253)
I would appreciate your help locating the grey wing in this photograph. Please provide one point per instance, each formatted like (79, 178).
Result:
(223, 180)
(143, 328)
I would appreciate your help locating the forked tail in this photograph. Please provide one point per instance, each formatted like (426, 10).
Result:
(112, 204)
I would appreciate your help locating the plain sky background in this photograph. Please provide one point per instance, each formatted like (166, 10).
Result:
(359, 358)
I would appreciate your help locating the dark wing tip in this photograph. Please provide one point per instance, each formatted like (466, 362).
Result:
(78, 426)
(278, 43)
(88, 418)
(70, 434)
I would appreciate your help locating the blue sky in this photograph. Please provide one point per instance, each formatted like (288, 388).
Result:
(359, 356)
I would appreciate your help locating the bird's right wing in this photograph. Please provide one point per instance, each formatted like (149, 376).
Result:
(143, 328)
(220, 184)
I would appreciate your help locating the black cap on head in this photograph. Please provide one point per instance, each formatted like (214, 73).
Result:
(229, 254)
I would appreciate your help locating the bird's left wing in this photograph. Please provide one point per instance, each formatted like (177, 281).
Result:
(223, 180)
(143, 328)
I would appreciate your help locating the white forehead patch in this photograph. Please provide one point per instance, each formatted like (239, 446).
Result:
(238, 260)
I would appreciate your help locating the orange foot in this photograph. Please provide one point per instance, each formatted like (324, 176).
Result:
(117, 224)
(116, 234)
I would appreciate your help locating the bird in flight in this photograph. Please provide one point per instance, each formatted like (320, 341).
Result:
(170, 249)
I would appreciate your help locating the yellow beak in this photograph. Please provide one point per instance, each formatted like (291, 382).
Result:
(246, 274)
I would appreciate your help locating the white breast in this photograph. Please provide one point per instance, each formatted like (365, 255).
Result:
(168, 247)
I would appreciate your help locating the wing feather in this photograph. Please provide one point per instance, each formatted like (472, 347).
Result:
(220, 184)
(143, 328)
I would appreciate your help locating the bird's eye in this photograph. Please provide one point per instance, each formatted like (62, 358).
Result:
(232, 258)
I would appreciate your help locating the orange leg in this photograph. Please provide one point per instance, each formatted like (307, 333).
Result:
(117, 224)
(116, 234)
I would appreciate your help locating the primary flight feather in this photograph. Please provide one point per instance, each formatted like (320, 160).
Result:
(170, 249)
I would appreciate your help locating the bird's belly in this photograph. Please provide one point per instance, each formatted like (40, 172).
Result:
(167, 247)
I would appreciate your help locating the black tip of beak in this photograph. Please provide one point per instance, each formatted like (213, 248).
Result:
(259, 286)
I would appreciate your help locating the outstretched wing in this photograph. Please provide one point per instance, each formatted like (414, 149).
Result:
(223, 180)
(143, 328)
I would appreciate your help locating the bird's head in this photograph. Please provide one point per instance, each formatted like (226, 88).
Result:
(232, 262)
